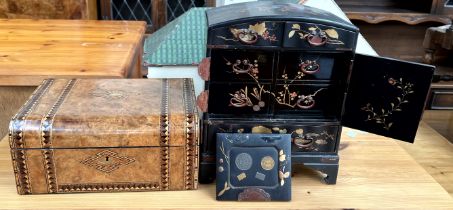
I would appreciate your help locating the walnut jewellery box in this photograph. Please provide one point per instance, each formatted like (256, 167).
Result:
(106, 136)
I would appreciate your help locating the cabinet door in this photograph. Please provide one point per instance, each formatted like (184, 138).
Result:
(387, 96)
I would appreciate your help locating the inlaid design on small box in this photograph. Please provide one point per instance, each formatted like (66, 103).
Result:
(107, 161)
(227, 158)
(107, 187)
(109, 94)
(226, 187)
(243, 161)
(282, 174)
(316, 36)
(383, 116)
(16, 138)
(251, 34)
(268, 172)
(267, 163)
(260, 176)
(241, 176)
(254, 194)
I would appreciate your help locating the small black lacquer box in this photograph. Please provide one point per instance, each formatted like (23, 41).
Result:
(253, 167)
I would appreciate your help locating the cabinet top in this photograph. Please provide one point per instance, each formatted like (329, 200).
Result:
(273, 11)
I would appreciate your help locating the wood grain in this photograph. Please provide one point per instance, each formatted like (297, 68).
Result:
(36, 49)
(48, 9)
(409, 12)
(435, 154)
(375, 173)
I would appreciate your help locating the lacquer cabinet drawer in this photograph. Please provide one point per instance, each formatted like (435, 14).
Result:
(317, 37)
(248, 34)
(297, 66)
(319, 99)
(304, 137)
(238, 98)
(243, 65)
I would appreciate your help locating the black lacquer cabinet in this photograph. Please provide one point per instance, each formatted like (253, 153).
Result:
(291, 69)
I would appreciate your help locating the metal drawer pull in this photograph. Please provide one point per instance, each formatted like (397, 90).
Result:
(306, 102)
(247, 36)
(303, 142)
(317, 38)
(309, 67)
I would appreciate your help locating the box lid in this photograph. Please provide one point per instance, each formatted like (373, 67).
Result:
(77, 113)
(272, 11)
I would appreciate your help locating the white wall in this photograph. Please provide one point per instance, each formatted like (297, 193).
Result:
(227, 2)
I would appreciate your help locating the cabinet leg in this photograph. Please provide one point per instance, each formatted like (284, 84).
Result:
(206, 173)
(330, 171)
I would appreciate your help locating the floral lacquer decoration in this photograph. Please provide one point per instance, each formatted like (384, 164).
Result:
(311, 141)
(287, 97)
(244, 67)
(226, 158)
(251, 34)
(316, 36)
(383, 116)
(282, 174)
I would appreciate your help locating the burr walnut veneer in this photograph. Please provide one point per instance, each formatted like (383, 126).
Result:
(106, 136)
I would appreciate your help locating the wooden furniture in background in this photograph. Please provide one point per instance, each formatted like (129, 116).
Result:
(410, 12)
(444, 7)
(156, 13)
(48, 9)
(437, 38)
(368, 180)
(32, 50)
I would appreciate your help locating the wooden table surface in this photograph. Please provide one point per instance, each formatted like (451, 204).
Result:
(31, 50)
(375, 173)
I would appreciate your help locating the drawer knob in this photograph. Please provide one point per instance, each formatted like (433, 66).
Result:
(306, 102)
(303, 142)
(317, 38)
(309, 67)
(247, 36)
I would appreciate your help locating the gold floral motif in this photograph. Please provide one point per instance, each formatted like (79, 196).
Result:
(261, 129)
(225, 188)
(281, 156)
(309, 140)
(244, 66)
(241, 98)
(287, 97)
(383, 116)
(251, 34)
(227, 158)
(282, 174)
(316, 36)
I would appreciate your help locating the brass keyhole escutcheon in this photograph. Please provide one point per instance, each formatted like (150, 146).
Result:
(107, 159)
